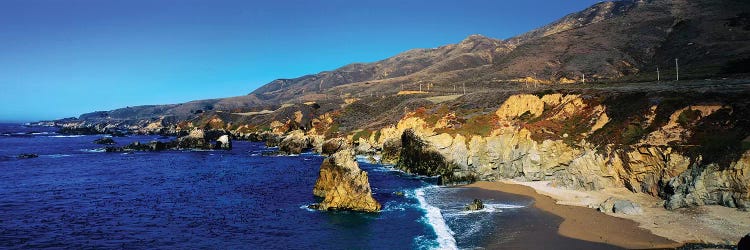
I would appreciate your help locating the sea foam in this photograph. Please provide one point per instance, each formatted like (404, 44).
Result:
(66, 136)
(435, 219)
(491, 208)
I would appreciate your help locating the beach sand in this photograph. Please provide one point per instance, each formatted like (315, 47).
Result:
(583, 223)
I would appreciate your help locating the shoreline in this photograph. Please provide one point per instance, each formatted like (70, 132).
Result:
(707, 224)
(584, 223)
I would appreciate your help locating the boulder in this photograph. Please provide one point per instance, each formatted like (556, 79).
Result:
(343, 185)
(223, 143)
(105, 141)
(475, 205)
(363, 147)
(744, 243)
(613, 205)
(195, 140)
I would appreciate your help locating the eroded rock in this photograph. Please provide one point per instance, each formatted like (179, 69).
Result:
(613, 205)
(295, 142)
(475, 205)
(343, 185)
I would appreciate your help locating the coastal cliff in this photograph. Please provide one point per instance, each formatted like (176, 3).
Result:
(571, 141)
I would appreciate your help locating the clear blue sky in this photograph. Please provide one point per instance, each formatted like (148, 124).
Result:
(63, 58)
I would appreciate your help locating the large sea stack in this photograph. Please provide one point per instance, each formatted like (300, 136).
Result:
(343, 185)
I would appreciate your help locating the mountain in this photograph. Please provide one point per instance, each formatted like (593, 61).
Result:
(621, 41)
(609, 41)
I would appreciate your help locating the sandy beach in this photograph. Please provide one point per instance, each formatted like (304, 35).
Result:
(655, 228)
(585, 223)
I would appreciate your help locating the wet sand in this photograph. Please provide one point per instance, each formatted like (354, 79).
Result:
(584, 224)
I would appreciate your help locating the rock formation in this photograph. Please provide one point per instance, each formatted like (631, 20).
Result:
(417, 157)
(744, 243)
(613, 205)
(196, 139)
(223, 143)
(571, 141)
(475, 205)
(295, 143)
(343, 185)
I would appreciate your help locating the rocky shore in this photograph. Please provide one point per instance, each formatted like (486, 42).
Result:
(196, 139)
(682, 151)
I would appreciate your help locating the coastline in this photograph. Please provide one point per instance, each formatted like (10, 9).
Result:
(585, 223)
(704, 224)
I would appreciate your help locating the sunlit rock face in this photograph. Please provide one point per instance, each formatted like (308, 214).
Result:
(343, 185)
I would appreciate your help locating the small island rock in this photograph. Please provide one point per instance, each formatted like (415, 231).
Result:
(223, 142)
(475, 205)
(343, 185)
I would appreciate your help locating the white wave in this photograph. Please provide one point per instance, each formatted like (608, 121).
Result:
(43, 133)
(307, 207)
(369, 159)
(66, 136)
(491, 208)
(396, 206)
(96, 150)
(435, 219)
(56, 155)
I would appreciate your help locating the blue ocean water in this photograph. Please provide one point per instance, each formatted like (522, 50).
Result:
(76, 196)
(73, 196)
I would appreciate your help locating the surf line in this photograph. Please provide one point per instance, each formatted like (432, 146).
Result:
(444, 234)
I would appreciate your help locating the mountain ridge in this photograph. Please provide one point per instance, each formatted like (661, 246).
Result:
(614, 41)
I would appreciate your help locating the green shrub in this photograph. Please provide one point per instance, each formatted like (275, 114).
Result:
(688, 116)
(632, 133)
(362, 134)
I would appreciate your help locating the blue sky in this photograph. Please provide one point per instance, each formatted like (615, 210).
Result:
(63, 58)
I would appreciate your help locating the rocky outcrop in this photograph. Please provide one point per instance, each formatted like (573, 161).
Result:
(223, 143)
(295, 142)
(551, 138)
(613, 205)
(418, 157)
(712, 184)
(343, 185)
(475, 205)
(196, 139)
(744, 243)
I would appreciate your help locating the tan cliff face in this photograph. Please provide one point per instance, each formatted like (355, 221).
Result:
(515, 151)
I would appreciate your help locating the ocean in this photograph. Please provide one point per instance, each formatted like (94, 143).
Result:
(76, 196)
